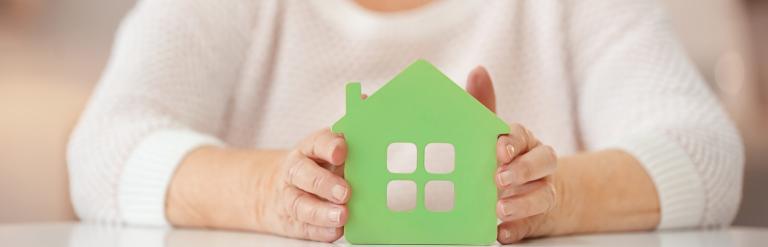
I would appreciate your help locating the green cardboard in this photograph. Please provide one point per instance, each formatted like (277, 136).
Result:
(420, 105)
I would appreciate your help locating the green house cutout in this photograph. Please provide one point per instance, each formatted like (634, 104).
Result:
(451, 139)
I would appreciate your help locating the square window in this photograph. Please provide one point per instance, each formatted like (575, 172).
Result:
(401, 157)
(401, 195)
(439, 158)
(439, 196)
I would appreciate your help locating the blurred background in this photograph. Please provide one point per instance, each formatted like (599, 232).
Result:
(52, 53)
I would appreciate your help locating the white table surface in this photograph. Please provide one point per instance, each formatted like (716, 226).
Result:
(80, 234)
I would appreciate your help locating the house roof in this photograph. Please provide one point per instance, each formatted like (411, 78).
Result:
(420, 91)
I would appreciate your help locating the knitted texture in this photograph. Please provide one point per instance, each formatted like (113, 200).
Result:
(582, 75)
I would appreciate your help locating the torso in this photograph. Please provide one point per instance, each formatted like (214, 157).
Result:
(294, 84)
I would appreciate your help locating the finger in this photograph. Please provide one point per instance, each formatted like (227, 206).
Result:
(510, 191)
(305, 174)
(336, 170)
(518, 141)
(535, 164)
(311, 210)
(480, 86)
(514, 231)
(315, 233)
(325, 146)
(507, 148)
(524, 206)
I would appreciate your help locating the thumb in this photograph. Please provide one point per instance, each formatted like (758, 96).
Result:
(479, 85)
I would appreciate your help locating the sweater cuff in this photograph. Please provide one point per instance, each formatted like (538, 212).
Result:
(678, 184)
(148, 172)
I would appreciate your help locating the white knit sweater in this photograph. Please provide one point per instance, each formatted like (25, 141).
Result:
(582, 75)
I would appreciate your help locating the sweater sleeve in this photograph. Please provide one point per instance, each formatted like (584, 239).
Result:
(637, 91)
(174, 66)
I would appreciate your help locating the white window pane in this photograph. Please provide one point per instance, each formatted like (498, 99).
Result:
(401, 195)
(439, 196)
(401, 157)
(439, 158)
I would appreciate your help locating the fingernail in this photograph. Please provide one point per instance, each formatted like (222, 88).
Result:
(506, 177)
(507, 234)
(506, 193)
(506, 209)
(335, 215)
(510, 151)
(339, 192)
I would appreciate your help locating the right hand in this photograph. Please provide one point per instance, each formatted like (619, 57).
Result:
(308, 193)
(299, 193)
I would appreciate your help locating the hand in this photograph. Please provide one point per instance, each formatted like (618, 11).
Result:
(298, 193)
(524, 177)
(526, 184)
(308, 196)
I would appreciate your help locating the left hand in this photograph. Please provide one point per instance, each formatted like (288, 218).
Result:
(525, 176)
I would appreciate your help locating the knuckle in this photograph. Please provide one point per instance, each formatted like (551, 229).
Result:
(528, 132)
(541, 205)
(552, 196)
(516, 126)
(294, 155)
(314, 215)
(289, 228)
(319, 134)
(542, 202)
(517, 130)
(524, 163)
(293, 158)
(308, 144)
(287, 203)
(296, 202)
(524, 140)
(548, 156)
(517, 140)
(550, 153)
(523, 172)
(318, 182)
(528, 230)
(291, 171)
(551, 150)
(526, 207)
(305, 230)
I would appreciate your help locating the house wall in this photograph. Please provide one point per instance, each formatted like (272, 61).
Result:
(473, 218)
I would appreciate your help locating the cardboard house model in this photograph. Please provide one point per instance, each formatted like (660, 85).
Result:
(424, 138)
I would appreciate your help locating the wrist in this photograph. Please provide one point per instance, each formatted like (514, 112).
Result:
(183, 203)
(220, 188)
(602, 191)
